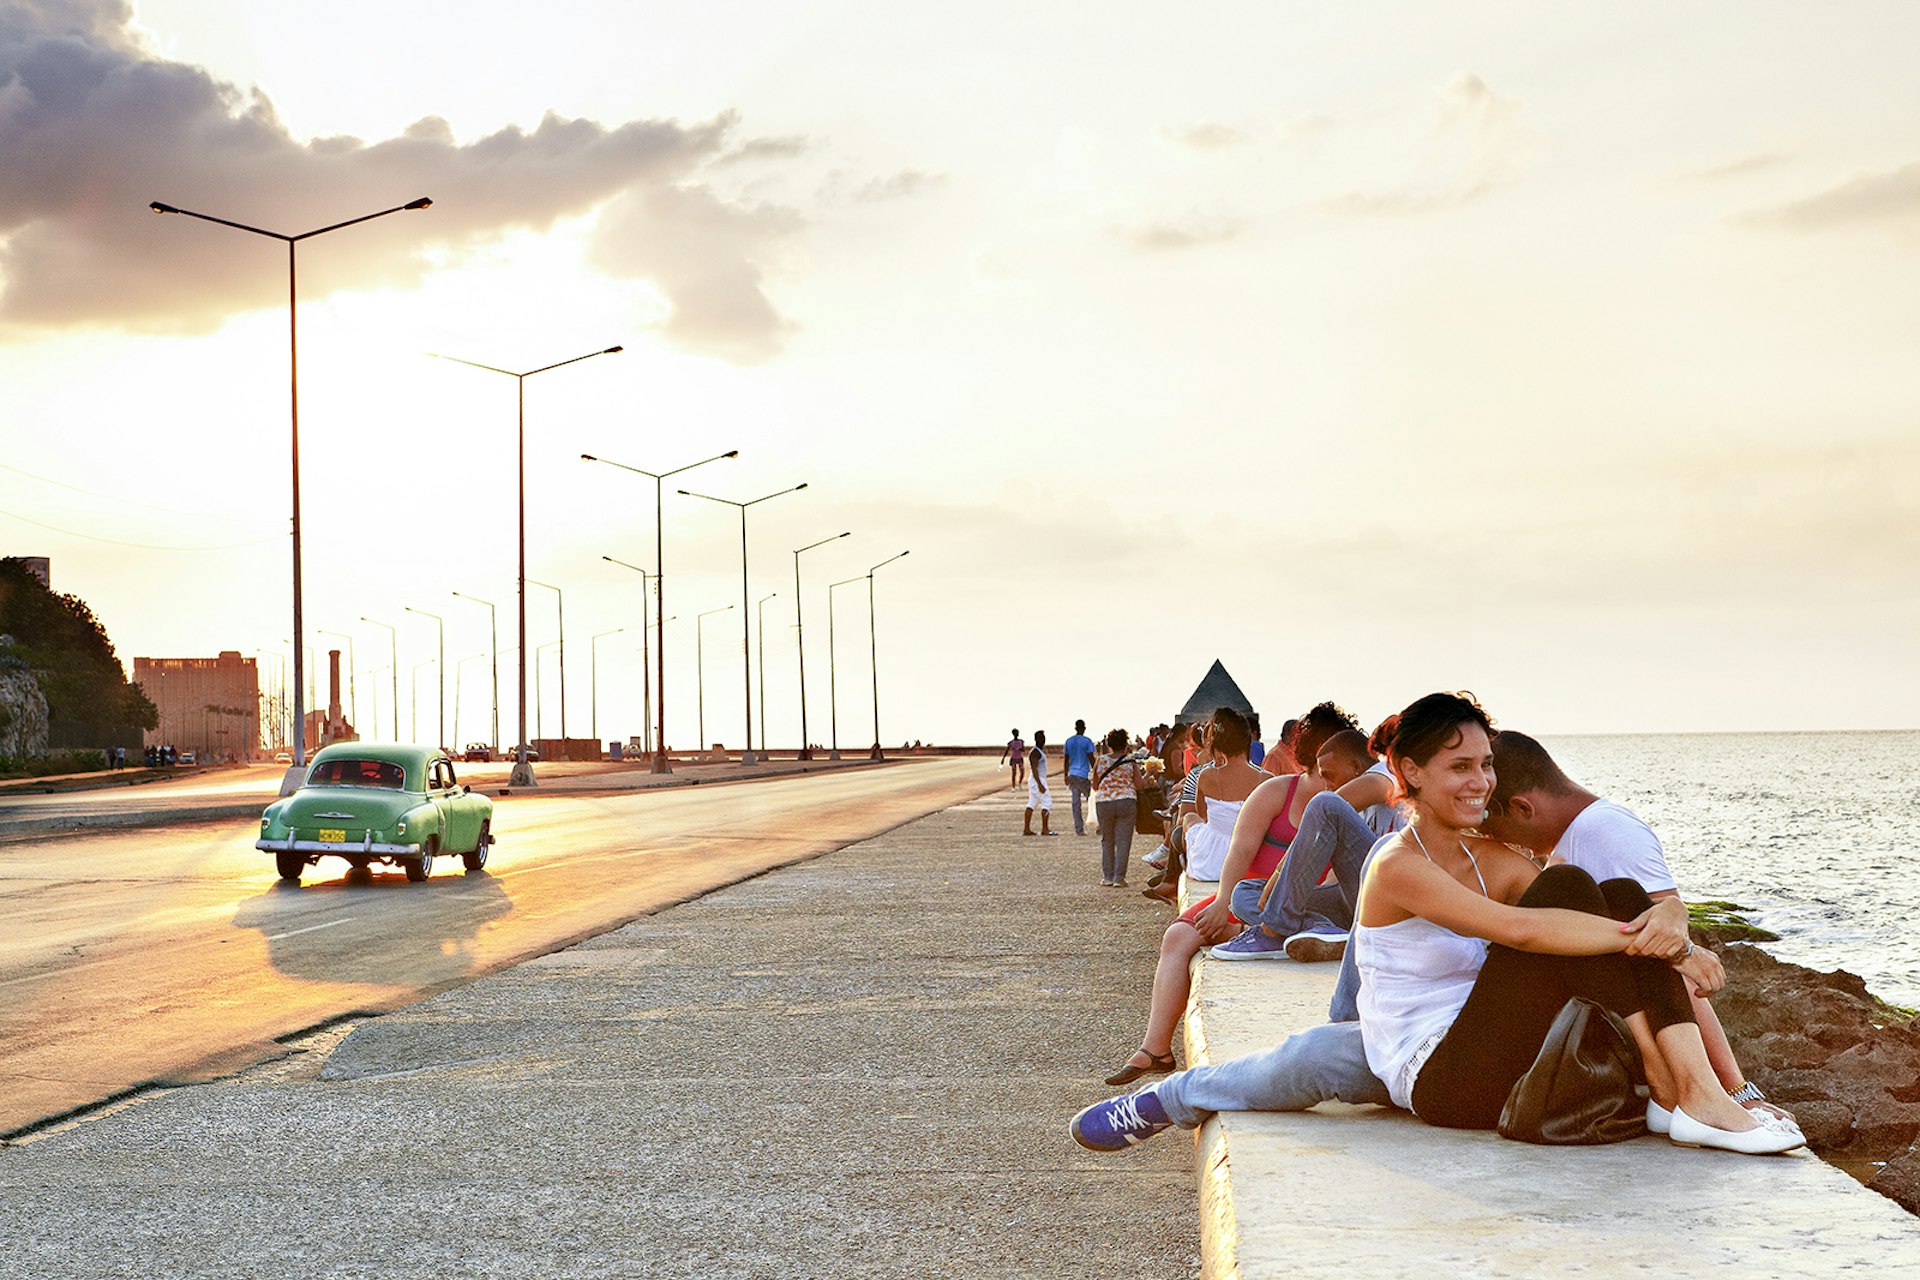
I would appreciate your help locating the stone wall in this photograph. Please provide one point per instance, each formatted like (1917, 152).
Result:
(23, 712)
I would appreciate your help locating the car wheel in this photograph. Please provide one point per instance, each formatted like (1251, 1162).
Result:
(478, 858)
(290, 865)
(420, 868)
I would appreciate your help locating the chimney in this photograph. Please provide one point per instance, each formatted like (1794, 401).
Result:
(333, 687)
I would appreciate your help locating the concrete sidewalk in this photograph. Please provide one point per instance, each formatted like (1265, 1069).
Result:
(861, 1065)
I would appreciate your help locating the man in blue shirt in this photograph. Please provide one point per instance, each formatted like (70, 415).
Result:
(1079, 752)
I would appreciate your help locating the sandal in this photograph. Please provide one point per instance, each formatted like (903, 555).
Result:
(1157, 1064)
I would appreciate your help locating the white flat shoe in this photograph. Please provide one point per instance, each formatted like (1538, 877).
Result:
(1762, 1140)
(1659, 1119)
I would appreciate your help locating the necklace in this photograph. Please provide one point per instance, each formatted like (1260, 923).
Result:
(1463, 848)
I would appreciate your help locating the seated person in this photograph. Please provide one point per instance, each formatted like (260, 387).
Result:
(1533, 804)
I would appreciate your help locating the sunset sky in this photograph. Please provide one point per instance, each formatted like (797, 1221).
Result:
(1565, 354)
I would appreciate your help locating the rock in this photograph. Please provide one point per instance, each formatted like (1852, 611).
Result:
(1899, 1180)
(23, 711)
(1827, 1124)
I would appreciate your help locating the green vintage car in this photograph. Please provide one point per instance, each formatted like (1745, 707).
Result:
(378, 802)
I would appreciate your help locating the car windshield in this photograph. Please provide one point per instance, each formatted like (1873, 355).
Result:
(343, 772)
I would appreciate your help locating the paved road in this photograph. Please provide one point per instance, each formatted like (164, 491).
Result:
(857, 1066)
(174, 954)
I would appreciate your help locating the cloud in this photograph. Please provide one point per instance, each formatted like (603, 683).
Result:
(1205, 136)
(908, 182)
(1477, 143)
(93, 126)
(1738, 168)
(1191, 233)
(1885, 199)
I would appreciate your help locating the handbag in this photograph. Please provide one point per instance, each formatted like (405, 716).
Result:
(1586, 1085)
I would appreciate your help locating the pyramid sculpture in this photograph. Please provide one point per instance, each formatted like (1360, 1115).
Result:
(1216, 689)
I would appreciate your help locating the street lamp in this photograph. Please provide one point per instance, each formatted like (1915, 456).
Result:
(459, 680)
(561, 605)
(414, 693)
(833, 683)
(297, 773)
(539, 712)
(353, 703)
(493, 647)
(800, 641)
(393, 645)
(661, 764)
(439, 622)
(746, 656)
(593, 654)
(375, 700)
(646, 673)
(700, 666)
(874, 651)
(760, 607)
(522, 775)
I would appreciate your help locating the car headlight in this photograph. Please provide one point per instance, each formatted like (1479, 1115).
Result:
(400, 827)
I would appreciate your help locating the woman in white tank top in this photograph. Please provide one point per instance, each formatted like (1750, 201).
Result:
(1467, 951)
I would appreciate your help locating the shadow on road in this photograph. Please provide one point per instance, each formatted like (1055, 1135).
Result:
(376, 928)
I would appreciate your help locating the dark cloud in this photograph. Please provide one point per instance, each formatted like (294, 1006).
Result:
(93, 126)
(1886, 199)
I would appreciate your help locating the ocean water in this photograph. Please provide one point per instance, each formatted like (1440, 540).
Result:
(1818, 833)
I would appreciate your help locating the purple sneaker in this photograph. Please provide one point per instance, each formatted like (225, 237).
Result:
(1254, 943)
(1119, 1123)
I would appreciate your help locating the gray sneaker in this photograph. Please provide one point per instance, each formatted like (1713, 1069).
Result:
(1316, 945)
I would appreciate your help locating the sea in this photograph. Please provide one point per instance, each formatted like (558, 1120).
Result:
(1816, 834)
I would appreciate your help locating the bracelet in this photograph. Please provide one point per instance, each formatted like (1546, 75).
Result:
(1748, 1092)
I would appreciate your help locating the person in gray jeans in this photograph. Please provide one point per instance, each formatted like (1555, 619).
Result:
(1116, 786)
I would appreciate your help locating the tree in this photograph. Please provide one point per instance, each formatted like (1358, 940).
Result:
(90, 702)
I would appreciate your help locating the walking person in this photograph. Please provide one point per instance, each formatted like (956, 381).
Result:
(1116, 788)
(1015, 758)
(1078, 751)
(1038, 795)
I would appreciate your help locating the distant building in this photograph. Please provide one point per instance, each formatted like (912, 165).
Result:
(206, 705)
(39, 568)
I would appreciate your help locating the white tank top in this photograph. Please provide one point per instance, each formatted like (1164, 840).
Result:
(1414, 977)
(1207, 845)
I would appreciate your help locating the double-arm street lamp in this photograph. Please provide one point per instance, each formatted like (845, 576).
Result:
(660, 762)
(700, 665)
(393, 647)
(646, 673)
(760, 626)
(493, 647)
(746, 657)
(560, 605)
(441, 672)
(833, 679)
(522, 775)
(593, 651)
(800, 642)
(297, 773)
(874, 652)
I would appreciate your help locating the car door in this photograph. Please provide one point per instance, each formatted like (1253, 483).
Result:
(457, 818)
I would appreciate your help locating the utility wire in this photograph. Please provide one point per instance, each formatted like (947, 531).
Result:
(138, 546)
(114, 498)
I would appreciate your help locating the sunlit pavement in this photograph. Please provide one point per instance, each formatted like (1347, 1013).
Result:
(859, 1065)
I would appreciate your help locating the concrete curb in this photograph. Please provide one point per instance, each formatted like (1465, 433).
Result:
(1371, 1191)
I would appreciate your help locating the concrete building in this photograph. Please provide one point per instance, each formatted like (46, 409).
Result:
(207, 705)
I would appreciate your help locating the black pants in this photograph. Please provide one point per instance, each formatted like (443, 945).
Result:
(1519, 993)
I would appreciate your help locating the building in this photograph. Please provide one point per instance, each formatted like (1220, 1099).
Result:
(207, 705)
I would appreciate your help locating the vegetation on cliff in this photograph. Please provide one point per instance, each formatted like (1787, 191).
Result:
(90, 702)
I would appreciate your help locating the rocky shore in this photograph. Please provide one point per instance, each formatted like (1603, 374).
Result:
(1846, 1064)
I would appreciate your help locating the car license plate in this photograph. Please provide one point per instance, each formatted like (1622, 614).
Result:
(333, 835)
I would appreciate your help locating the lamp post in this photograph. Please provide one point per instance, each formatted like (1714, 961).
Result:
(646, 674)
(353, 704)
(393, 646)
(833, 684)
(297, 773)
(440, 623)
(560, 605)
(414, 691)
(493, 647)
(459, 680)
(539, 713)
(746, 656)
(375, 700)
(522, 775)
(874, 653)
(760, 608)
(593, 654)
(800, 642)
(700, 666)
(661, 764)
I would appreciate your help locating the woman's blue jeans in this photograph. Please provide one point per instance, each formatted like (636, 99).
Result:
(1326, 1063)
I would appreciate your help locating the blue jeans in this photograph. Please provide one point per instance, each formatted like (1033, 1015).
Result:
(1326, 1063)
(1116, 836)
(1331, 835)
(1081, 788)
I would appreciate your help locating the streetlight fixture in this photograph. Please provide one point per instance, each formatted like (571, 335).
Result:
(493, 647)
(874, 652)
(646, 673)
(760, 608)
(560, 604)
(440, 623)
(833, 683)
(593, 652)
(800, 642)
(296, 774)
(353, 703)
(661, 764)
(522, 775)
(700, 665)
(393, 645)
(746, 656)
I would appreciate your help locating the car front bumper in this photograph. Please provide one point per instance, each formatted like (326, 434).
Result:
(345, 848)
